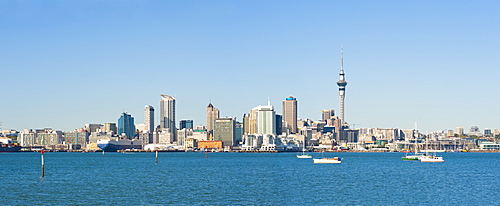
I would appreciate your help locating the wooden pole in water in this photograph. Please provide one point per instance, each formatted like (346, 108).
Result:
(43, 164)
(156, 156)
(206, 151)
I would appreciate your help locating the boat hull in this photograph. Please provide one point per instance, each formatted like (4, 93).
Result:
(327, 161)
(113, 145)
(431, 159)
(10, 148)
(304, 156)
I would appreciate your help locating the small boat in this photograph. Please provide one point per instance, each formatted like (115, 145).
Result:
(414, 157)
(328, 160)
(323, 160)
(431, 158)
(304, 155)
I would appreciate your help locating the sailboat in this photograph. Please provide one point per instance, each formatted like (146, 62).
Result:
(416, 155)
(323, 160)
(304, 155)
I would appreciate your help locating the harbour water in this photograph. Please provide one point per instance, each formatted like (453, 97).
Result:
(247, 179)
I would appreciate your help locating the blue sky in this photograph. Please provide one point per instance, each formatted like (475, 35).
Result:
(67, 63)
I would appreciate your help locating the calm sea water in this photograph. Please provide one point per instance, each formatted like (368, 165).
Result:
(247, 179)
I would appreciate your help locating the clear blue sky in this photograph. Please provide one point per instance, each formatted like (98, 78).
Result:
(67, 63)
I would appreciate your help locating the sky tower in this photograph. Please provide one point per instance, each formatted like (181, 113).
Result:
(342, 83)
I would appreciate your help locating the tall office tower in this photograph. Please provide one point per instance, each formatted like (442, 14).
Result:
(459, 130)
(266, 119)
(167, 114)
(149, 118)
(126, 125)
(290, 115)
(342, 83)
(186, 124)
(279, 124)
(246, 123)
(212, 114)
(224, 130)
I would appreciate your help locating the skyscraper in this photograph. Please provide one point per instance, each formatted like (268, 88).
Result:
(167, 114)
(266, 119)
(342, 83)
(224, 130)
(126, 125)
(149, 118)
(212, 114)
(290, 115)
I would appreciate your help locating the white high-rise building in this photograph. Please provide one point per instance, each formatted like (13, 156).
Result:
(149, 118)
(167, 114)
(266, 119)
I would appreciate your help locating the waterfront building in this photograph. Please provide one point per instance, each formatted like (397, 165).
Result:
(167, 114)
(216, 144)
(212, 114)
(266, 119)
(49, 137)
(459, 131)
(290, 115)
(181, 136)
(186, 124)
(26, 138)
(149, 118)
(110, 127)
(126, 125)
(76, 139)
(224, 130)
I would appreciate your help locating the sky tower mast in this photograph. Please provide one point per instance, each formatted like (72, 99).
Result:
(342, 83)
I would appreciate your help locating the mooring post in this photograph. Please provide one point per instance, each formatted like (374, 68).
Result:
(43, 164)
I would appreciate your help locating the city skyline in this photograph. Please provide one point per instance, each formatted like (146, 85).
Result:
(66, 64)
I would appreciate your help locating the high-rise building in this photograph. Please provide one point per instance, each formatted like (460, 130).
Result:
(290, 115)
(327, 114)
(279, 124)
(266, 119)
(342, 84)
(126, 125)
(149, 118)
(186, 124)
(224, 130)
(167, 114)
(212, 114)
(110, 127)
